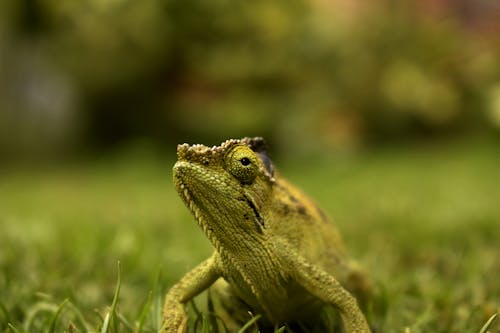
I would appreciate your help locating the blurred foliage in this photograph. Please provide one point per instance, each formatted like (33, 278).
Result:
(308, 74)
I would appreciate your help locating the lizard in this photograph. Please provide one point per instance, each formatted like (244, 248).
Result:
(274, 249)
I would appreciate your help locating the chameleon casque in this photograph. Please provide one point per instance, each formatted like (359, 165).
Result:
(275, 252)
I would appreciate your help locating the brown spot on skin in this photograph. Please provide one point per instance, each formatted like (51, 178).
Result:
(302, 210)
(280, 186)
(286, 209)
(293, 199)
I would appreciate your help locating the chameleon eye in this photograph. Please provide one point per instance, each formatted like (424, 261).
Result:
(245, 161)
(241, 162)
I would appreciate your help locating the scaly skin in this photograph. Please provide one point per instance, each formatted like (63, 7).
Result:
(275, 249)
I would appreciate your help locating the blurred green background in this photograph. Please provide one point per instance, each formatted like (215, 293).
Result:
(387, 112)
(312, 75)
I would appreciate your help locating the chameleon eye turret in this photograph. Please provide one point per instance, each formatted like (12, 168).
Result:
(242, 163)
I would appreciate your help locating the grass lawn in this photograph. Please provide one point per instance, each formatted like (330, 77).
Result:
(423, 220)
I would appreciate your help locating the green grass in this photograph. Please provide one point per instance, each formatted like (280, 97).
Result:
(94, 246)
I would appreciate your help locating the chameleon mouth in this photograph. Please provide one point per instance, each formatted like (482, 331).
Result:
(195, 210)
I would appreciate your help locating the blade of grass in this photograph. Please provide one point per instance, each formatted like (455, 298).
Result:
(98, 314)
(197, 320)
(105, 323)
(219, 319)
(197, 312)
(6, 316)
(145, 311)
(158, 303)
(212, 318)
(490, 321)
(249, 323)
(205, 325)
(13, 328)
(125, 322)
(280, 330)
(111, 315)
(80, 318)
(35, 310)
(53, 321)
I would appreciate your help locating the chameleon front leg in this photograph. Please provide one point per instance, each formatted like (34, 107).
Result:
(200, 278)
(325, 287)
(329, 290)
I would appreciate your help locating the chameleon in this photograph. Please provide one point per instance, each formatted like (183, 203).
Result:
(275, 252)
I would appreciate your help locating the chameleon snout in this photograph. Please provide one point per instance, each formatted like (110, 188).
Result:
(180, 170)
(182, 151)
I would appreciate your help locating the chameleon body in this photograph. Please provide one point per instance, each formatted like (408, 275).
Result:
(275, 251)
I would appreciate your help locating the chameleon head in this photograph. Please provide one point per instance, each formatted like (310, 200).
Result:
(226, 188)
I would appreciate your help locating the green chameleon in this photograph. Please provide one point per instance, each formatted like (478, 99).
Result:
(275, 250)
